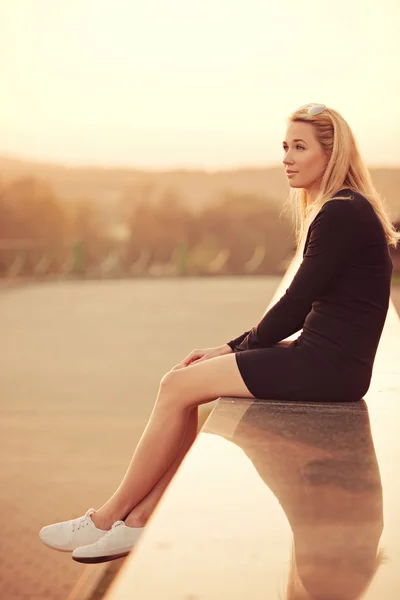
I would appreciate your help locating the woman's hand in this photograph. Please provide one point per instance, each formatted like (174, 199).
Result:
(197, 356)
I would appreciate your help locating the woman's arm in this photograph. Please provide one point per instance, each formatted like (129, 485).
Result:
(334, 234)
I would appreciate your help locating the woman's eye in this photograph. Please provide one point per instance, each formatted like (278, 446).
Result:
(298, 146)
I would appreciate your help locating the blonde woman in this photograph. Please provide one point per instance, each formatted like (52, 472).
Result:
(339, 297)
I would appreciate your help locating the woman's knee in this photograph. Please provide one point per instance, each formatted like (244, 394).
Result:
(169, 384)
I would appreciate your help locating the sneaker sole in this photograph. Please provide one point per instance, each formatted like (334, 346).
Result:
(99, 559)
(55, 547)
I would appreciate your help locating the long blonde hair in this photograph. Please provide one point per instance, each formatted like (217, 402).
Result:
(345, 169)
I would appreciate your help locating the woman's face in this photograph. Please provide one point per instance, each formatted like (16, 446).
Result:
(303, 154)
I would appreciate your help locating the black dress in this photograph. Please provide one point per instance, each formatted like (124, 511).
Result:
(339, 297)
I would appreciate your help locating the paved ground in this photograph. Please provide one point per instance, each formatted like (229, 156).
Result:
(79, 373)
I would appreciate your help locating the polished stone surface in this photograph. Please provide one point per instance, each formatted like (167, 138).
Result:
(322, 499)
(278, 500)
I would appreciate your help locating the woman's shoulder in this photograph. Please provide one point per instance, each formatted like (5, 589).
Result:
(341, 203)
(348, 212)
(352, 196)
(348, 202)
(353, 207)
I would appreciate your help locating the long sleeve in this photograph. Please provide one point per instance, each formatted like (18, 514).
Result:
(237, 341)
(332, 237)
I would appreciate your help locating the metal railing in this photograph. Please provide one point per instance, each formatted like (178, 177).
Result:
(33, 258)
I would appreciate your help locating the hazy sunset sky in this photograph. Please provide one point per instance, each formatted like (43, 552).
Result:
(190, 83)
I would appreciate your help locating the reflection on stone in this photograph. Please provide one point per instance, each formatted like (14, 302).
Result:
(320, 463)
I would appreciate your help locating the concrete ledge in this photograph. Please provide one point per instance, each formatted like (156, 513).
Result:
(88, 582)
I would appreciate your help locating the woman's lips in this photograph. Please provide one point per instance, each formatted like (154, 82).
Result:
(291, 174)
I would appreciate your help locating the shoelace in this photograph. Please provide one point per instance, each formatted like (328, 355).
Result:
(82, 521)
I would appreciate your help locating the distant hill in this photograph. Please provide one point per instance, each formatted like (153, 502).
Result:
(197, 187)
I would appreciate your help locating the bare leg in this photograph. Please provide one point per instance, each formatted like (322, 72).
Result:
(163, 438)
(140, 514)
(158, 449)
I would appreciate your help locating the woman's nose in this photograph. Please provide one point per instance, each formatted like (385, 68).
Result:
(287, 160)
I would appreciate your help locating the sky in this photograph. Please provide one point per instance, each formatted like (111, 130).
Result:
(193, 83)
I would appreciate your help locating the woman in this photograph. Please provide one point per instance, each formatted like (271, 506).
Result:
(339, 297)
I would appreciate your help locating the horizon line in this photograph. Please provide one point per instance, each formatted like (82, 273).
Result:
(204, 168)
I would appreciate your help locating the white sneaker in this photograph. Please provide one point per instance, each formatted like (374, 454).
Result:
(117, 542)
(68, 535)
